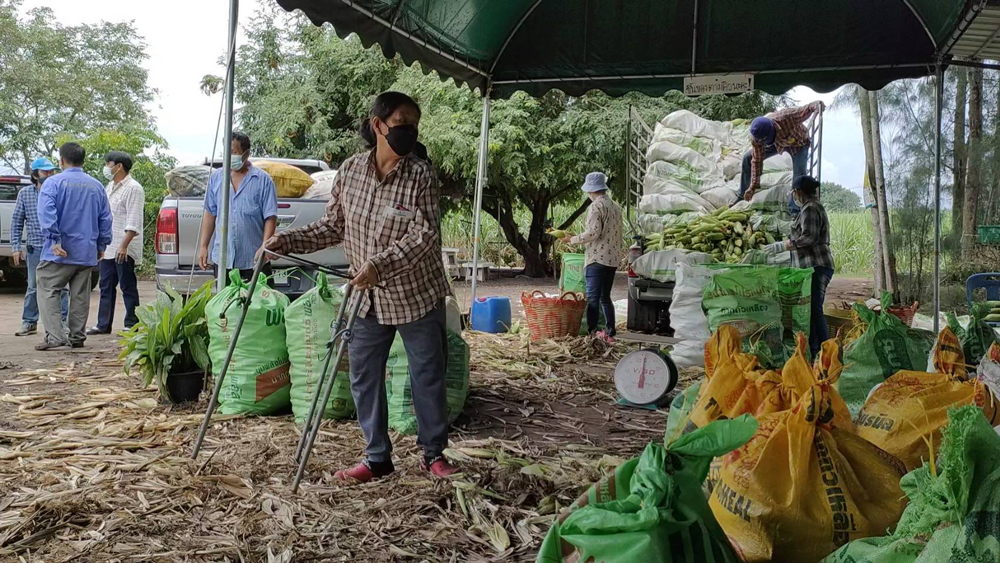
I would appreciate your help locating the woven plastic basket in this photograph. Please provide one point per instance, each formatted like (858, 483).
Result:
(905, 314)
(553, 317)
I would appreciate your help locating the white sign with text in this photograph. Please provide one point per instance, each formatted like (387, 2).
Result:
(718, 84)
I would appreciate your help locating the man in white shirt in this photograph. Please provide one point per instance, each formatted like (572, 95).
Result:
(127, 200)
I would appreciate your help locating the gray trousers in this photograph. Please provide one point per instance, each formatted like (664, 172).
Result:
(426, 347)
(51, 278)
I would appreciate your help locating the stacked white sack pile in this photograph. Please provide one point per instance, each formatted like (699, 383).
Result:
(694, 168)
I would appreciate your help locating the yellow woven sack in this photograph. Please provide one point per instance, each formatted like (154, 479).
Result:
(735, 384)
(289, 181)
(801, 487)
(905, 414)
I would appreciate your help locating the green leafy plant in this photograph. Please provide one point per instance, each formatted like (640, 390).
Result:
(170, 337)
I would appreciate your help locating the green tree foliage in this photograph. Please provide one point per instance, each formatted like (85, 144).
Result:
(59, 79)
(304, 91)
(838, 198)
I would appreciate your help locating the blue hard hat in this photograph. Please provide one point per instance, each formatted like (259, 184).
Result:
(42, 164)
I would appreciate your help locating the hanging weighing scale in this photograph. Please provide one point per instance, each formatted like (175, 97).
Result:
(645, 377)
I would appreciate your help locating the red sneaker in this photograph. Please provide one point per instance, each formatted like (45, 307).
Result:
(365, 471)
(439, 466)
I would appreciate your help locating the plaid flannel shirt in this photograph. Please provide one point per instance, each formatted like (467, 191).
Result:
(25, 218)
(790, 136)
(811, 237)
(395, 224)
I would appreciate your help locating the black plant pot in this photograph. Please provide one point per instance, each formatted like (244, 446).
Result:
(185, 386)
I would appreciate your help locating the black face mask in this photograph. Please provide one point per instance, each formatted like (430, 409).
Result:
(402, 139)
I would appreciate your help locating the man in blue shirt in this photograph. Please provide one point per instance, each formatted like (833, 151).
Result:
(25, 219)
(253, 213)
(75, 219)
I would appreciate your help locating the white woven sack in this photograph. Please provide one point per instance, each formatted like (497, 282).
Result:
(695, 126)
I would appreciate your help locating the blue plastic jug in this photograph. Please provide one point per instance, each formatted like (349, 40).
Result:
(491, 314)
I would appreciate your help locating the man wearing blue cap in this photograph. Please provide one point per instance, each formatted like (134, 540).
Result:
(775, 133)
(602, 238)
(25, 218)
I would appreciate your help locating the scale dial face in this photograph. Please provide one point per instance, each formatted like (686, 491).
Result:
(644, 377)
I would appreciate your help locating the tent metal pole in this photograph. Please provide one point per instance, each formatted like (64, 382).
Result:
(938, 94)
(484, 146)
(694, 38)
(227, 151)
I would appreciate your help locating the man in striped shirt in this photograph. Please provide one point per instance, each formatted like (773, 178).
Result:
(25, 218)
(775, 133)
(384, 209)
(127, 200)
(253, 213)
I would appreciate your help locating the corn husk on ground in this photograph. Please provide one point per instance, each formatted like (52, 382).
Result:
(92, 468)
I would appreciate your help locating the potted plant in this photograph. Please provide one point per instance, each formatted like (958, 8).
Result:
(169, 344)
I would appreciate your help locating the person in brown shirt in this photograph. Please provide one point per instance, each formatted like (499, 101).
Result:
(384, 208)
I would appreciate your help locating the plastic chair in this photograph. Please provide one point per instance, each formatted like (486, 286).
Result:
(988, 281)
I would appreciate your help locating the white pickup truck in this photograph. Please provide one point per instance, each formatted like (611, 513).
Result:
(179, 220)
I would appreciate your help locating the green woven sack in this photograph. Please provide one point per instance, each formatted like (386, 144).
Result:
(795, 295)
(954, 512)
(307, 333)
(652, 508)
(884, 348)
(573, 278)
(748, 299)
(977, 337)
(402, 415)
(257, 381)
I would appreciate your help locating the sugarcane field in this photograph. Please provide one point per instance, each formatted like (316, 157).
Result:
(388, 281)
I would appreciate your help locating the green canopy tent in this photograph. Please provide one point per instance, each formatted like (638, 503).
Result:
(499, 47)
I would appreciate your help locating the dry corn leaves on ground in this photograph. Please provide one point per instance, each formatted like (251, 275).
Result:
(94, 469)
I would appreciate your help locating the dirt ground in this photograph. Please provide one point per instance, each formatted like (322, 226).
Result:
(19, 353)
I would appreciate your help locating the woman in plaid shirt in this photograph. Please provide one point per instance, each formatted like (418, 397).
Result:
(810, 248)
(384, 209)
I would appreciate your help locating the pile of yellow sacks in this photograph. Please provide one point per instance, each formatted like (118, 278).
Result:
(806, 483)
(904, 414)
(812, 479)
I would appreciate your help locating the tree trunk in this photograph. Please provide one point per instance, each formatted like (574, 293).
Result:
(959, 158)
(869, 181)
(988, 213)
(881, 200)
(536, 261)
(973, 181)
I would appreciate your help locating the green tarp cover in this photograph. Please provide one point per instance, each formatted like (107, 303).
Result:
(648, 46)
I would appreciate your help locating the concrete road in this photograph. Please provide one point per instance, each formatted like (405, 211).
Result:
(20, 350)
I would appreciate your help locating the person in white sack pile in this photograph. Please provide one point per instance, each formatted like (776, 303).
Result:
(776, 133)
(810, 248)
(602, 238)
(384, 208)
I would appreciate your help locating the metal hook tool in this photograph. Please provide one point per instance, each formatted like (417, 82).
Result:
(340, 336)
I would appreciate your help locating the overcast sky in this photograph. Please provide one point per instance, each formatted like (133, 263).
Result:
(185, 39)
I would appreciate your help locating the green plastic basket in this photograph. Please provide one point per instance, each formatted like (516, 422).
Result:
(989, 234)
